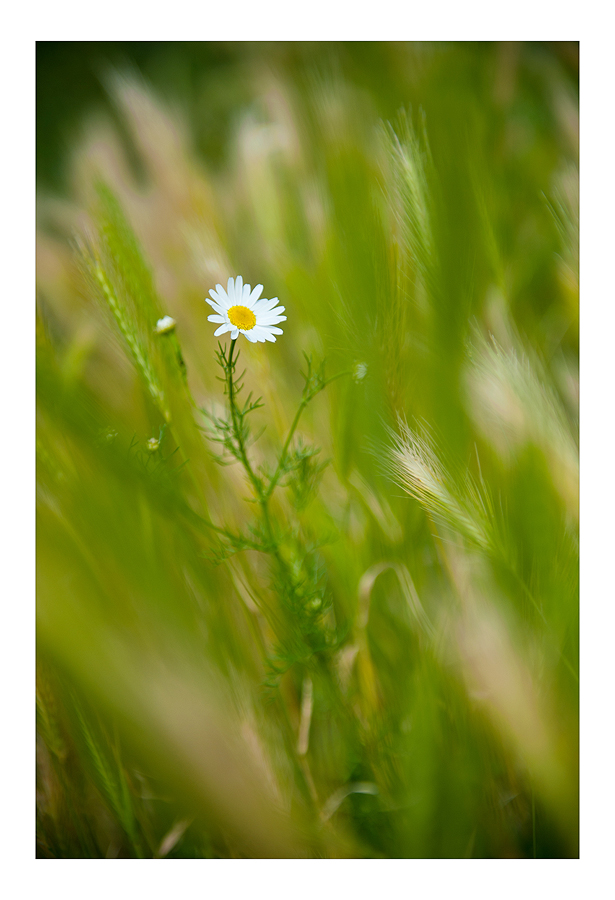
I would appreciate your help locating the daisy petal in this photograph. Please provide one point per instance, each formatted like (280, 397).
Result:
(238, 289)
(264, 306)
(222, 329)
(218, 319)
(274, 330)
(230, 289)
(259, 307)
(270, 320)
(270, 337)
(250, 336)
(234, 333)
(258, 290)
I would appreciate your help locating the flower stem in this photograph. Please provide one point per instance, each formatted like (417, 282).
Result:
(241, 447)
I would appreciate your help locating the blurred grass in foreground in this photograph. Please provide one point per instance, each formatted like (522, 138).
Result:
(421, 230)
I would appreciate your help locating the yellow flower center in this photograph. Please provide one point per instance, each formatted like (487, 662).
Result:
(242, 317)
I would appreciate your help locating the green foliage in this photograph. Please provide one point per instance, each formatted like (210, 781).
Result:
(284, 613)
(296, 575)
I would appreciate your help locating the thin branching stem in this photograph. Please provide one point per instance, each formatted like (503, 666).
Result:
(308, 395)
(278, 472)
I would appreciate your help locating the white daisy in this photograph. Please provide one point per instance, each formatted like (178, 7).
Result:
(239, 311)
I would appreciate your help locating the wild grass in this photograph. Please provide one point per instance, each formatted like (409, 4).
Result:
(317, 598)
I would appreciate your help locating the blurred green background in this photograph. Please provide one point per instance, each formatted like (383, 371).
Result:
(414, 206)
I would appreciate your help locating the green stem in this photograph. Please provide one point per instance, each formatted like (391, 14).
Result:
(243, 456)
(256, 484)
(307, 397)
(230, 375)
(276, 475)
(262, 496)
